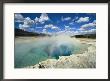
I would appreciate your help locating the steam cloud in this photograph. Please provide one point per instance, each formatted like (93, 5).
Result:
(60, 45)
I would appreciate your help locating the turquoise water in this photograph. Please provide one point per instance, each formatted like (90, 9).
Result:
(27, 54)
(32, 52)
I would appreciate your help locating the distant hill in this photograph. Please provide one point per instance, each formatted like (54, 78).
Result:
(19, 32)
(86, 36)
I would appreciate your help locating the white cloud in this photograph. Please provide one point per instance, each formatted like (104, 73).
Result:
(24, 26)
(20, 26)
(51, 26)
(55, 28)
(73, 28)
(18, 17)
(89, 25)
(44, 31)
(69, 33)
(71, 23)
(75, 18)
(38, 27)
(32, 29)
(66, 18)
(93, 24)
(81, 29)
(48, 26)
(76, 33)
(27, 23)
(36, 20)
(91, 31)
(68, 28)
(44, 17)
(83, 19)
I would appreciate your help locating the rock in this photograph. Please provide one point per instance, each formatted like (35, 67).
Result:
(85, 60)
(50, 63)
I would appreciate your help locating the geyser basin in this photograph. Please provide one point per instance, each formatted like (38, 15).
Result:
(30, 51)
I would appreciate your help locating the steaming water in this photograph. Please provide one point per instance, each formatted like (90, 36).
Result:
(30, 51)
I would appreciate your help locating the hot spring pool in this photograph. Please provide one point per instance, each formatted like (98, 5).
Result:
(30, 50)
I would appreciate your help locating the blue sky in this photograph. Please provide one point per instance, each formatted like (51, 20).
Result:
(68, 23)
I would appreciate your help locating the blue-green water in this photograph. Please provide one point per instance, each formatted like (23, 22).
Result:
(32, 52)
